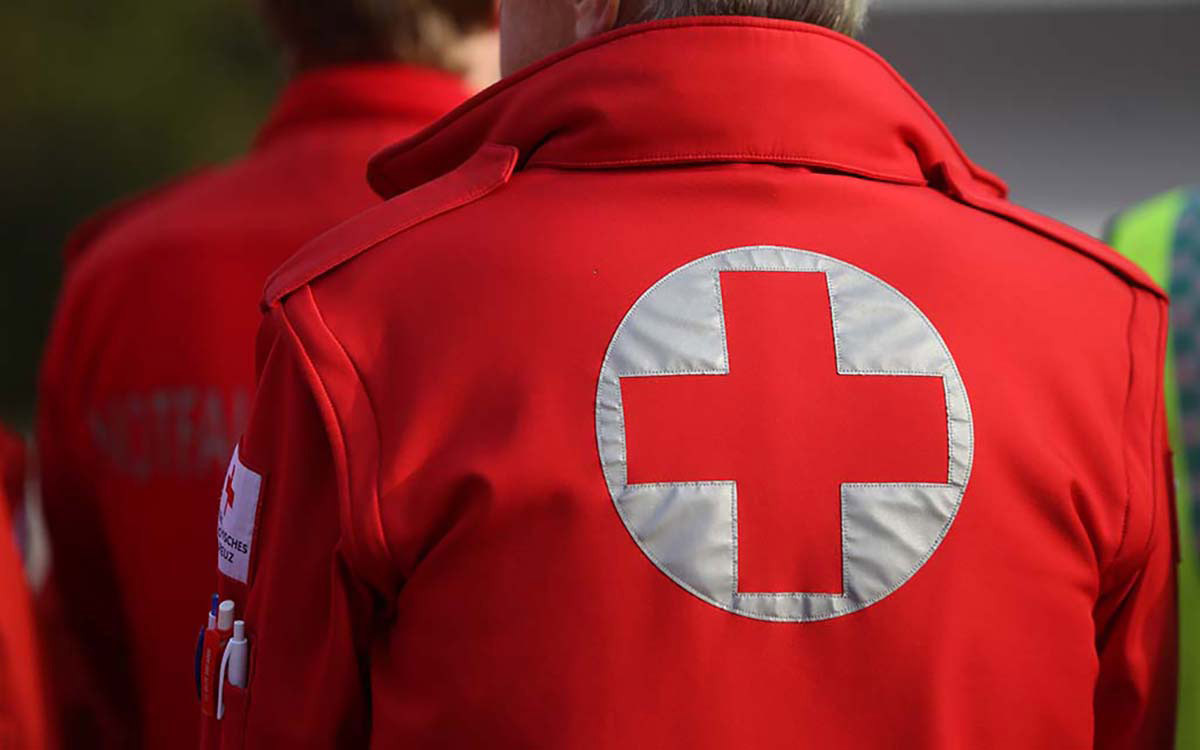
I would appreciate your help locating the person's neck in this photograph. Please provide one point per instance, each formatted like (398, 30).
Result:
(479, 57)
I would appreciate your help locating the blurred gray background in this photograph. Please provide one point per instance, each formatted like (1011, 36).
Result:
(1083, 106)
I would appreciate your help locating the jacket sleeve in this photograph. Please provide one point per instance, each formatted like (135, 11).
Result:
(306, 613)
(1137, 614)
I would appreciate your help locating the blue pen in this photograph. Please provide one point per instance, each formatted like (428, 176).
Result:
(212, 623)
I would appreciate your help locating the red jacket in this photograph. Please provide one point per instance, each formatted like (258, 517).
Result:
(694, 390)
(150, 370)
(22, 705)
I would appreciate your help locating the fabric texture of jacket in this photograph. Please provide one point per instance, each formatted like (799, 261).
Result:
(692, 389)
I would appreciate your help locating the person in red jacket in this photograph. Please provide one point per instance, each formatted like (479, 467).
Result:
(150, 366)
(693, 389)
(23, 721)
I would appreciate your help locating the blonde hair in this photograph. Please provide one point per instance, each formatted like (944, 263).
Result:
(327, 32)
(846, 16)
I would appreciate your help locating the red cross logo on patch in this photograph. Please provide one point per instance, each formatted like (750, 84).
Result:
(783, 434)
(229, 496)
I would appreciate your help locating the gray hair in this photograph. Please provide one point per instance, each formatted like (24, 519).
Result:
(846, 16)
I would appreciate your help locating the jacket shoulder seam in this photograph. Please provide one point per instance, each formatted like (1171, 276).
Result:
(1063, 235)
(370, 557)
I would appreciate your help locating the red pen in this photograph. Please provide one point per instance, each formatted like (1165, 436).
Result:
(214, 645)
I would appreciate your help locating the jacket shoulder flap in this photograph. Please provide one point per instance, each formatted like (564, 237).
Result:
(1062, 234)
(488, 169)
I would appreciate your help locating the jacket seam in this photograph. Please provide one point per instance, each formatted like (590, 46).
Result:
(740, 156)
(1141, 555)
(362, 386)
(1157, 419)
(1126, 418)
(328, 403)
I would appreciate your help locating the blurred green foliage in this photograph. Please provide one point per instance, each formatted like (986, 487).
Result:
(102, 100)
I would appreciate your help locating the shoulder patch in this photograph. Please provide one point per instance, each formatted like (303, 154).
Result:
(237, 517)
(1073, 238)
(490, 168)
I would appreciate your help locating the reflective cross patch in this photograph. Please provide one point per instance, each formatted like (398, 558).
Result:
(784, 435)
(236, 516)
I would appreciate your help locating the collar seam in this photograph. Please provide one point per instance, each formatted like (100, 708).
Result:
(737, 156)
(637, 30)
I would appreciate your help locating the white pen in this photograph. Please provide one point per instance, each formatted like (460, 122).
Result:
(239, 655)
(225, 616)
(234, 664)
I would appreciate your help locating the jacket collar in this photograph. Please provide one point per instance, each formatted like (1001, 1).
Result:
(365, 91)
(700, 90)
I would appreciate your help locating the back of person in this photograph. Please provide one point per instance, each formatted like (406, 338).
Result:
(149, 371)
(22, 706)
(704, 395)
(1162, 235)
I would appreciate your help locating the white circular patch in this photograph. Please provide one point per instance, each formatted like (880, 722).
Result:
(689, 529)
